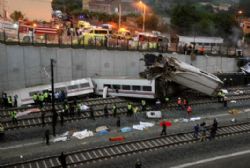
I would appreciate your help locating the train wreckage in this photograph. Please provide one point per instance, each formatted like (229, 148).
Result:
(169, 71)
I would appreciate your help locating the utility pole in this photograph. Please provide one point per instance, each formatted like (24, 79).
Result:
(120, 14)
(54, 116)
(144, 17)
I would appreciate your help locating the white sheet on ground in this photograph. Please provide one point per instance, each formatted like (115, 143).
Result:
(143, 125)
(57, 139)
(83, 134)
(195, 118)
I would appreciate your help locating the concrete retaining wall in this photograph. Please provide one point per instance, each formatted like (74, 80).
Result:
(24, 66)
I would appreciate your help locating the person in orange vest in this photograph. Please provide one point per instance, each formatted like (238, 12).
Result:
(189, 110)
(179, 103)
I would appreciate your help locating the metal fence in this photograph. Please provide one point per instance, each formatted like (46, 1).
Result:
(108, 43)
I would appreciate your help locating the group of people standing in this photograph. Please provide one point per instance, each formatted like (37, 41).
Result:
(9, 101)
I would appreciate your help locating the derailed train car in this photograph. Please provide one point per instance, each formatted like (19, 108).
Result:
(172, 69)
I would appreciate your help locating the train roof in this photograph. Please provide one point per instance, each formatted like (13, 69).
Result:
(119, 77)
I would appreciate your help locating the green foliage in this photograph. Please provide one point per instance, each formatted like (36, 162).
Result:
(16, 15)
(67, 6)
(199, 20)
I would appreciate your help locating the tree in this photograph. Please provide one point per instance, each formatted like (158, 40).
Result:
(16, 15)
(67, 6)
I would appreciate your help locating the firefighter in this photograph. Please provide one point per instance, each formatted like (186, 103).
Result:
(219, 94)
(114, 110)
(143, 104)
(41, 100)
(46, 96)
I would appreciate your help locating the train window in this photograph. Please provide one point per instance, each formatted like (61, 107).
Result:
(72, 87)
(83, 85)
(106, 85)
(116, 86)
(146, 88)
(136, 87)
(125, 87)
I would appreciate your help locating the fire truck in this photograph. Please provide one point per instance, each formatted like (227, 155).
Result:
(37, 33)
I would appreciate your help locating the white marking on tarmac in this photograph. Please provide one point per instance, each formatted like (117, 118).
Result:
(212, 159)
(21, 145)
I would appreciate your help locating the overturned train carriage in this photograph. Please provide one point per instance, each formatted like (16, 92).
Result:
(173, 70)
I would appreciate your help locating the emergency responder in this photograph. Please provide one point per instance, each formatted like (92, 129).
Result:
(215, 123)
(189, 110)
(41, 100)
(10, 101)
(105, 111)
(222, 96)
(42, 117)
(78, 108)
(47, 137)
(225, 100)
(196, 131)
(46, 96)
(143, 104)
(185, 102)
(61, 118)
(114, 110)
(13, 117)
(66, 109)
(166, 101)
(203, 131)
(118, 122)
(15, 100)
(62, 159)
(129, 109)
(179, 103)
(91, 111)
(212, 133)
(164, 129)
(219, 95)
(35, 98)
(135, 111)
(71, 110)
(138, 164)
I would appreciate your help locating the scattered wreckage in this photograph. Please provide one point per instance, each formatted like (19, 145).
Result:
(169, 69)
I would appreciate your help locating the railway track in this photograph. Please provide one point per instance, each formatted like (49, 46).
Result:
(98, 110)
(81, 157)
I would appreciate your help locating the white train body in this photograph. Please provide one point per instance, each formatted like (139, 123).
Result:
(125, 87)
(194, 78)
(71, 88)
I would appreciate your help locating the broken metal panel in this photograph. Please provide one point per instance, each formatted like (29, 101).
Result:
(172, 69)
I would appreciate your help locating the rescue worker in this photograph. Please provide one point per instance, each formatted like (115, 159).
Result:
(46, 96)
(105, 111)
(189, 110)
(42, 117)
(62, 159)
(222, 96)
(15, 100)
(61, 118)
(118, 122)
(114, 110)
(196, 131)
(13, 117)
(219, 94)
(225, 100)
(167, 101)
(179, 103)
(164, 129)
(129, 109)
(138, 164)
(41, 100)
(35, 98)
(203, 131)
(135, 111)
(66, 109)
(91, 111)
(9, 101)
(185, 102)
(143, 104)
(47, 137)
(78, 108)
